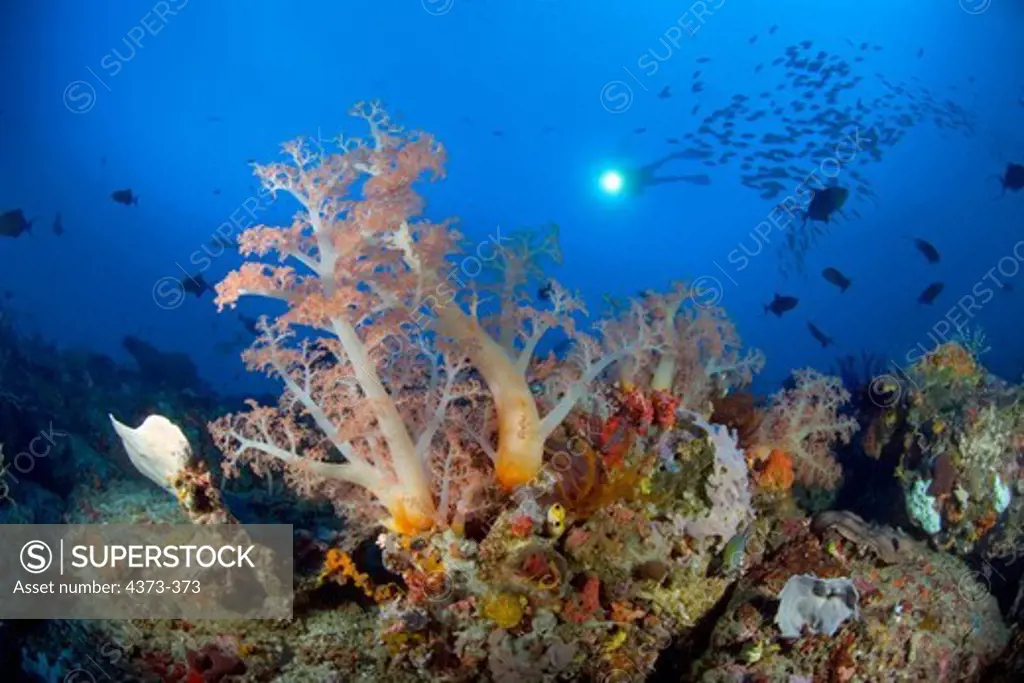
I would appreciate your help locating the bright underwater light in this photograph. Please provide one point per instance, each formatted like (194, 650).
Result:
(611, 182)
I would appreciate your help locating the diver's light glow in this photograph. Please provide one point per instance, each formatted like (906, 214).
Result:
(611, 182)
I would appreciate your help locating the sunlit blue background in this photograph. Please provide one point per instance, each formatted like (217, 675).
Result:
(221, 82)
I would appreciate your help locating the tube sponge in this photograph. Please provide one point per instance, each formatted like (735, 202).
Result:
(822, 605)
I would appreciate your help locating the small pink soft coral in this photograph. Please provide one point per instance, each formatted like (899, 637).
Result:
(696, 352)
(805, 422)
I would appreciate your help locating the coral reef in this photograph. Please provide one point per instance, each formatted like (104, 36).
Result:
(960, 468)
(467, 508)
(605, 594)
(537, 518)
(926, 617)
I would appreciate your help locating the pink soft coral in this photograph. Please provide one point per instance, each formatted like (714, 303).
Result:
(805, 423)
(400, 373)
(695, 353)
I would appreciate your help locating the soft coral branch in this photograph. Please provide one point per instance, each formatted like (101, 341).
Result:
(593, 355)
(282, 433)
(520, 442)
(504, 367)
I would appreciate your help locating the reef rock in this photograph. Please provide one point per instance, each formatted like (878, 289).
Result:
(926, 616)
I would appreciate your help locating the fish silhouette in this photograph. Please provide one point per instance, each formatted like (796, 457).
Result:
(930, 253)
(780, 304)
(837, 278)
(929, 294)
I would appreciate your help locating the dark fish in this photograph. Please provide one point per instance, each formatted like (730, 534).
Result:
(930, 252)
(695, 108)
(58, 225)
(549, 129)
(125, 197)
(213, 119)
(13, 223)
(773, 29)
(929, 294)
(820, 336)
(781, 304)
(672, 141)
(195, 284)
(920, 53)
(696, 74)
(497, 133)
(773, 139)
(826, 202)
(665, 93)
(752, 39)
(639, 131)
(216, 191)
(837, 278)
(546, 292)
(103, 160)
(703, 60)
(1013, 179)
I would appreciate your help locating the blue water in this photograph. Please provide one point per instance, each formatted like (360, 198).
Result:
(105, 96)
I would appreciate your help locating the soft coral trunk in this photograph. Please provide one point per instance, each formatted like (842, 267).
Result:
(410, 503)
(520, 437)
